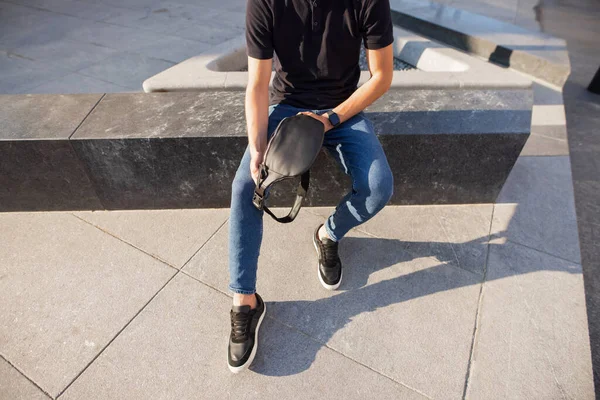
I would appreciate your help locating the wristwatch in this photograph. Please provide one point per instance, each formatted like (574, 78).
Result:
(333, 118)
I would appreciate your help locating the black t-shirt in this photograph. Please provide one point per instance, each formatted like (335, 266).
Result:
(317, 45)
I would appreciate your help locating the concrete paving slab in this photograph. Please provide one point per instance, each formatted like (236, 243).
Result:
(14, 386)
(182, 355)
(172, 48)
(532, 339)
(164, 16)
(386, 293)
(66, 54)
(229, 5)
(131, 4)
(456, 235)
(76, 83)
(20, 74)
(126, 69)
(212, 32)
(87, 10)
(536, 207)
(539, 144)
(170, 235)
(113, 36)
(233, 19)
(66, 290)
(36, 26)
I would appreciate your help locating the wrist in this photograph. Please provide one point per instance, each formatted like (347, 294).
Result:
(257, 148)
(333, 119)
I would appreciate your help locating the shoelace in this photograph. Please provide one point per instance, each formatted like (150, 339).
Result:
(240, 324)
(329, 250)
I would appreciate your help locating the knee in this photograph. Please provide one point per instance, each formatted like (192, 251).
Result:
(383, 188)
(378, 189)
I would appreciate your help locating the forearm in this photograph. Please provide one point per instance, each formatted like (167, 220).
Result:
(257, 116)
(364, 96)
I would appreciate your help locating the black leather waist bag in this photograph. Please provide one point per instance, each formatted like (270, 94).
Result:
(291, 151)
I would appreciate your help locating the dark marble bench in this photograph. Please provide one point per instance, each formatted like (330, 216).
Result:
(181, 150)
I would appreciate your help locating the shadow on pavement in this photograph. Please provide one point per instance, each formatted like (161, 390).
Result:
(329, 315)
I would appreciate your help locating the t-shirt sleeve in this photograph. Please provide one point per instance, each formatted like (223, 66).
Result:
(378, 31)
(259, 30)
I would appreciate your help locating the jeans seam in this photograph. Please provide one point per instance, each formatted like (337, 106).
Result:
(241, 291)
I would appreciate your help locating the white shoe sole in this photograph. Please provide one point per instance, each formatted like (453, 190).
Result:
(325, 285)
(237, 370)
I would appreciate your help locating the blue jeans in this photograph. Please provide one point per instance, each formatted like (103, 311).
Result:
(355, 147)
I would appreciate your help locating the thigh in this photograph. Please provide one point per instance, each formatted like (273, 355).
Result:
(355, 146)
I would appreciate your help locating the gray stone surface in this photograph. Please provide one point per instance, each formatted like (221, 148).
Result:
(166, 115)
(93, 11)
(76, 83)
(20, 75)
(170, 235)
(39, 167)
(65, 53)
(181, 355)
(66, 290)
(15, 386)
(542, 56)
(164, 17)
(33, 25)
(536, 207)
(42, 41)
(532, 338)
(172, 48)
(455, 235)
(548, 125)
(126, 69)
(212, 32)
(26, 117)
(449, 147)
(540, 144)
(386, 293)
(113, 36)
(43, 175)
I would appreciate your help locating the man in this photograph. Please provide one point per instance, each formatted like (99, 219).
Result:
(317, 45)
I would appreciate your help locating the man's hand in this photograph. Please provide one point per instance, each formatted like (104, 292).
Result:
(321, 118)
(256, 158)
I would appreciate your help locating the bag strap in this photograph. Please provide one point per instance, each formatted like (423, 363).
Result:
(301, 191)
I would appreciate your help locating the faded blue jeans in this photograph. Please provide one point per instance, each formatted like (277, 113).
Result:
(356, 149)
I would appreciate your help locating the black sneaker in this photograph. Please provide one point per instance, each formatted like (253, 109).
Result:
(329, 266)
(243, 340)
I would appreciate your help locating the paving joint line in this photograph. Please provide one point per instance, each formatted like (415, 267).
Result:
(126, 242)
(117, 334)
(478, 310)
(86, 115)
(311, 338)
(25, 376)
(178, 271)
(543, 252)
(546, 136)
(347, 356)
(204, 244)
(479, 276)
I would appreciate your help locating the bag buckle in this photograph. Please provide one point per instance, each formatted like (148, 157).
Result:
(257, 200)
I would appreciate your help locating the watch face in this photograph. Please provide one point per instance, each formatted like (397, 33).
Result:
(334, 119)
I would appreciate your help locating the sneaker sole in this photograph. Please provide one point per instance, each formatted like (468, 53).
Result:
(325, 285)
(237, 370)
